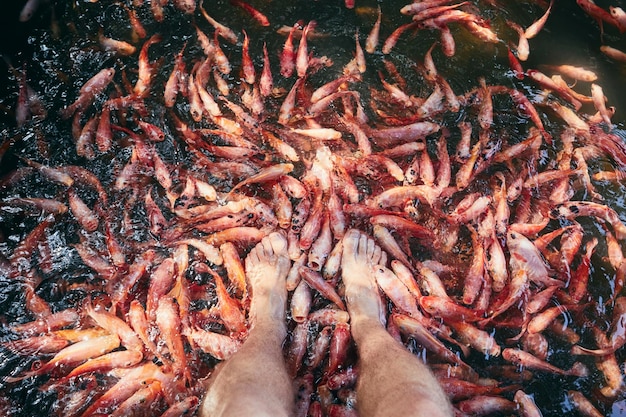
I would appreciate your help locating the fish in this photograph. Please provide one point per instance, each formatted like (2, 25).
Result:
(74, 354)
(302, 55)
(532, 30)
(185, 6)
(287, 56)
(168, 322)
(223, 31)
(266, 81)
(583, 404)
(256, 15)
(247, 66)
(316, 281)
(613, 53)
(371, 41)
(597, 13)
(269, 174)
(29, 9)
(114, 45)
(88, 92)
(620, 17)
(574, 72)
(144, 79)
(527, 360)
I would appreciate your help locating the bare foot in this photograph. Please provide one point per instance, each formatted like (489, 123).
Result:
(360, 256)
(267, 266)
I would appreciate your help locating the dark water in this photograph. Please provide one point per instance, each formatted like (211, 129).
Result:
(58, 48)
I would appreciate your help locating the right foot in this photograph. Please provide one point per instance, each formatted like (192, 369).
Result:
(267, 266)
(360, 256)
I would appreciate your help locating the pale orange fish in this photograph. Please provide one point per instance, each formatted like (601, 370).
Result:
(302, 55)
(127, 385)
(222, 30)
(396, 291)
(582, 403)
(104, 135)
(229, 308)
(269, 174)
(447, 309)
(161, 281)
(86, 217)
(536, 344)
(328, 316)
(308, 221)
(288, 57)
(186, 406)
(414, 328)
(74, 355)
(474, 279)
(247, 66)
(532, 30)
(114, 45)
(37, 345)
(372, 39)
(337, 218)
(480, 340)
(88, 92)
(333, 262)
(599, 101)
(112, 360)
(321, 247)
(146, 69)
(620, 17)
(525, 256)
(142, 398)
(223, 64)
(320, 349)
(522, 358)
(574, 209)
(115, 326)
(360, 55)
(485, 405)
(266, 82)
(548, 83)
(285, 112)
(448, 45)
(391, 41)
(137, 319)
(139, 32)
(576, 73)
(301, 302)
(316, 281)
(168, 321)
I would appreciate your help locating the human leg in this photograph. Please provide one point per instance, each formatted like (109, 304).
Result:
(392, 381)
(254, 381)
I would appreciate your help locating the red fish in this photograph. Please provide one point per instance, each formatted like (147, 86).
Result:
(257, 15)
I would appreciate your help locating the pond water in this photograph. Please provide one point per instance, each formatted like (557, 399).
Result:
(58, 49)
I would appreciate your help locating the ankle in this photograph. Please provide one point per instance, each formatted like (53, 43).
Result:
(365, 327)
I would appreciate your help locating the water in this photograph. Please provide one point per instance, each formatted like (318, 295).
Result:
(58, 62)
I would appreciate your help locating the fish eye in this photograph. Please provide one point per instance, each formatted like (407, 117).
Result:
(513, 236)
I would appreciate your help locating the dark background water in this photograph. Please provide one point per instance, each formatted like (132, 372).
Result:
(570, 37)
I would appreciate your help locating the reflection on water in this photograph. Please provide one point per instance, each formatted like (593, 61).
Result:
(60, 64)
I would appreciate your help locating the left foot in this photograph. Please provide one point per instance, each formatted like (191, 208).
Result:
(267, 266)
(360, 257)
